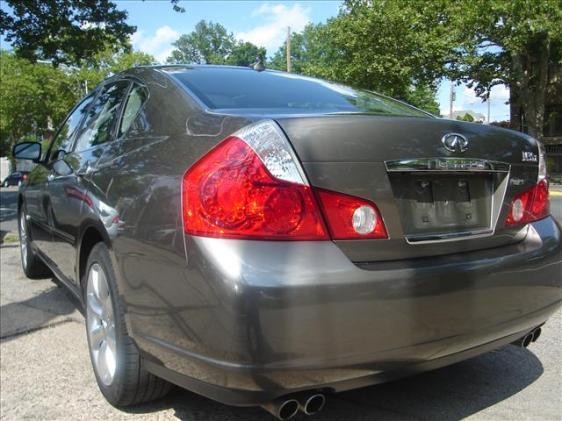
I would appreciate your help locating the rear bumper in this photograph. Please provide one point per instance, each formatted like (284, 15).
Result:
(262, 319)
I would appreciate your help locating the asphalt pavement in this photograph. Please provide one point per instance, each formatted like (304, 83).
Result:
(45, 370)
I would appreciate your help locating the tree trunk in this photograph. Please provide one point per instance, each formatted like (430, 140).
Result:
(530, 74)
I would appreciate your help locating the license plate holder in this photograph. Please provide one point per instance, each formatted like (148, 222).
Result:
(434, 205)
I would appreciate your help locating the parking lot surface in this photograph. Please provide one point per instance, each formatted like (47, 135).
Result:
(45, 370)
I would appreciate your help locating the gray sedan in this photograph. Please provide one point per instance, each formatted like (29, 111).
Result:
(263, 238)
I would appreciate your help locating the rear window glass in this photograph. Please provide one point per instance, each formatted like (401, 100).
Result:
(231, 88)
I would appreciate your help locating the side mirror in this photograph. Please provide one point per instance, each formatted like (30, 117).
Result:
(27, 150)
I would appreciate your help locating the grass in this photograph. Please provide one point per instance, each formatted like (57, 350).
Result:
(11, 238)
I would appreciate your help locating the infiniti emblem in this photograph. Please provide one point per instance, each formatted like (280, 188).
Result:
(455, 142)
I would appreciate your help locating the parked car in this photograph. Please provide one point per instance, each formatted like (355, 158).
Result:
(16, 178)
(264, 238)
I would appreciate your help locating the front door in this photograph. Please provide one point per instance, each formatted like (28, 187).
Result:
(37, 202)
(70, 187)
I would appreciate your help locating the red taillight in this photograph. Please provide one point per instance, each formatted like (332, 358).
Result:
(350, 217)
(530, 205)
(252, 186)
(230, 193)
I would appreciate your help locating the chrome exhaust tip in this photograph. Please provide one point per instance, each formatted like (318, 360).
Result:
(314, 404)
(536, 333)
(282, 408)
(527, 340)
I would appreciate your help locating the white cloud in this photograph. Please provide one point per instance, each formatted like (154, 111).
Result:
(159, 45)
(272, 34)
(500, 92)
(469, 96)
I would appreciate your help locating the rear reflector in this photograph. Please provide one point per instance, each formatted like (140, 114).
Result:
(251, 186)
(530, 205)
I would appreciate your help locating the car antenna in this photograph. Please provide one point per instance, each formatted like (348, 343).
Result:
(258, 66)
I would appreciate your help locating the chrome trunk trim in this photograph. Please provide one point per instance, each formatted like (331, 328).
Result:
(446, 164)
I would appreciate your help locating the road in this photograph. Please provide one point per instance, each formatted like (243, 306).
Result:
(45, 370)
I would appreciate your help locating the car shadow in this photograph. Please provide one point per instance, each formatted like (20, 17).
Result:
(49, 306)
(8, 204)
(449, 393)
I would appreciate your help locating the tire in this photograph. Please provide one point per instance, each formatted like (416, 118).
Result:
(116, 361)
(32, 265)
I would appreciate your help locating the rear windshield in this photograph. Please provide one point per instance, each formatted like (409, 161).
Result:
(239, 88)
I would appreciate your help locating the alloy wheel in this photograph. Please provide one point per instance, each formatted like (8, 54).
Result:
(23, 239)
(101, 325)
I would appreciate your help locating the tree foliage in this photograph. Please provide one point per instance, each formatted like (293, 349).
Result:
(404, 47)
(63, 31)
(211, 43)
(338, 51)
(515, 42)
(245, 54)
(35, 97)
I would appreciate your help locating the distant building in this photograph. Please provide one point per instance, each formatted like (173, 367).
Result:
(5, 168)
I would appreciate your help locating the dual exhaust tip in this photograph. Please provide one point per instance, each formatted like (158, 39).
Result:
(526, 340)
(286, 408)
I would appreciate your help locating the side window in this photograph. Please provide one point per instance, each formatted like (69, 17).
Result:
(136, 99)
(61, 143)
(102, 116)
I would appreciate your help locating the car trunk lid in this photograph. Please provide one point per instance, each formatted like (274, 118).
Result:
(433, 200)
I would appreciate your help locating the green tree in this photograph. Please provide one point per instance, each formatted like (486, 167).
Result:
(245, 54)
(32, 98)
(209, 43)
(387, 45)
(466, 117)
(63, 31)
(311, 52)
(35, 97)
(513, 42)
(107, 62)
(338, 51)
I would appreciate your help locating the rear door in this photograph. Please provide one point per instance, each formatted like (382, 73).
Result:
(69, 186)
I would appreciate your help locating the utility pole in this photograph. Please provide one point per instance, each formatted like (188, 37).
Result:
(451, 100)
(488, 101)
(289, 67)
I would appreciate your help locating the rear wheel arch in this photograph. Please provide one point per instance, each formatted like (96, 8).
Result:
(20, 203)
(91, 235)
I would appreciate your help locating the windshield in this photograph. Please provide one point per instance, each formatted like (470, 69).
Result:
(241, 88)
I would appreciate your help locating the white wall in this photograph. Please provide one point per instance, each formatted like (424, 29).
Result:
(5, 169)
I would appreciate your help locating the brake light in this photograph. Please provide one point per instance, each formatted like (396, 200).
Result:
(250, 186)
(530, 205)
(350, 217)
